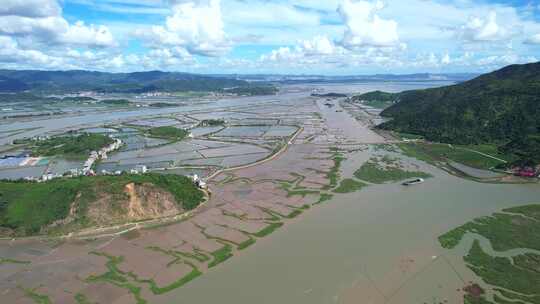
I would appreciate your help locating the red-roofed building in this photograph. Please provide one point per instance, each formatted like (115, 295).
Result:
(526, 172)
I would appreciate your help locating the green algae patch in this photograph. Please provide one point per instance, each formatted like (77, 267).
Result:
(452, 238)
(221, 255)
(198, 255)
(246, 244)
(82, 299)
(116, 277)
(513, 279)
(177, 284)
(323, 198)
(518, 274)
(292, 189)
(333, 174)
(36, 297)
(12, 261)
(379, 174)
(515, 296)
(268, 229)
(349, 185)
(294, 214)
(123, 280)
(517, 227)
(181, 282)
(301, 192)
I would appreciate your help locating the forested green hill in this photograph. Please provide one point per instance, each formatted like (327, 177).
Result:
(502, 107)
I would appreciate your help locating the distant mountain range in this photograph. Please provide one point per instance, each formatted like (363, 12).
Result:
(58, 82)
(13, 81)
(502, 107)
(457, 77)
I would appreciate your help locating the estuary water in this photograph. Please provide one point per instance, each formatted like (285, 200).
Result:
(378, 245)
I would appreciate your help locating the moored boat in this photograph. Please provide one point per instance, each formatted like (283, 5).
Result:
(413, 182)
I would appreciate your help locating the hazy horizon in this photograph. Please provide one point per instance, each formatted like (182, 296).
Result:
(253, 73)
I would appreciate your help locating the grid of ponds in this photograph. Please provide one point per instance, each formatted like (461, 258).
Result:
(251, 133)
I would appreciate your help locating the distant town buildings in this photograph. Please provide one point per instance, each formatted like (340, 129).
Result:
(154, 94)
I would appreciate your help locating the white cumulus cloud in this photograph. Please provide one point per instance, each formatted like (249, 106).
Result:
(446, 59)
(30, 8)
(196, 26)
(281, 54)
(87, 35)
(534, 39)
(483, 29)
(320, 48)
(56, 30)
(320, 45)
(364, 27)
(10, 52)
(42, 21)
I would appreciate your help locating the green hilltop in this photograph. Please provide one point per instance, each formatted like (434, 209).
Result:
(501, 108)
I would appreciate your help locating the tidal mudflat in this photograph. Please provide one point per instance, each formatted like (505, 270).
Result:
(381, 241)
(141, 265)
(276, 228)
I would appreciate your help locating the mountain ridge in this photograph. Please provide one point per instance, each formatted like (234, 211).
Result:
(501, 107)
(39, 81)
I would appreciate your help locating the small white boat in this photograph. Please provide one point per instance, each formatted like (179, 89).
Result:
(413, 182)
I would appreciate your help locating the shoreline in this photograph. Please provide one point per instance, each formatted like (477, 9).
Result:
(145, 224)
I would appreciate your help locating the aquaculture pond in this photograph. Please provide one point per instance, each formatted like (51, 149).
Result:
(244, 131)
(280, 131)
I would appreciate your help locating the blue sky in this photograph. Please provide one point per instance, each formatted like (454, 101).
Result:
(334, 37)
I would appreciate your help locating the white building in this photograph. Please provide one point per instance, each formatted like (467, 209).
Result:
(143, 169)
(199, 182)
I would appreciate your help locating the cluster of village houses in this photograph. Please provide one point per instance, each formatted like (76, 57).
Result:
(88, 164)
(102, 154)
(93, 157)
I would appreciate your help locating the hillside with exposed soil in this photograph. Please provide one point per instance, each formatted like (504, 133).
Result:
(66, 205)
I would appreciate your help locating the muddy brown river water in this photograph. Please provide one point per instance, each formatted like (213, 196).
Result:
(378, 245)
